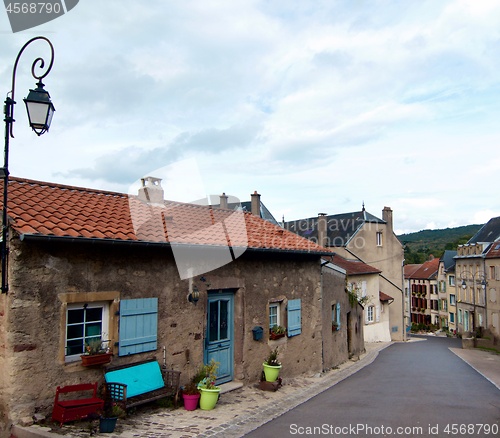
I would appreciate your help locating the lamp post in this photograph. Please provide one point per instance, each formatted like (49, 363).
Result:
(40, 111)
(465, 276)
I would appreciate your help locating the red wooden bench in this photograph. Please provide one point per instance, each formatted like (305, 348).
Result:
(70, 409)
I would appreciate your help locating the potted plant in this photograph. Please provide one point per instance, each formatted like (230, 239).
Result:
(276, 332)
(272, 366)
(96, 353)
(109, 417)
(207, 387)
(191, 393)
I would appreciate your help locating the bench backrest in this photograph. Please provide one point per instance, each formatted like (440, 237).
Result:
(77, 388)
(140, 379)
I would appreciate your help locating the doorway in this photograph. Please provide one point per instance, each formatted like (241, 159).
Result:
(219, 340)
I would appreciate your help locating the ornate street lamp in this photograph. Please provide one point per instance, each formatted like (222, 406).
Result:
(40, 111)
(465, 275)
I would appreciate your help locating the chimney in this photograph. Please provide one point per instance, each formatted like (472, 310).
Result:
(223, 201)
(151, 190)
(322, 229)
(256, 203)
(387, 216)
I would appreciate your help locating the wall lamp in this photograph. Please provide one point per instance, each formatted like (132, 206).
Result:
(194, 296)
(40, 111)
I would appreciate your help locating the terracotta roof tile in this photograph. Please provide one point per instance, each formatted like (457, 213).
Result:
(354, 267)
(48, 209)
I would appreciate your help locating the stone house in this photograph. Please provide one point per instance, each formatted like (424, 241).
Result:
(363, 237)
(477, 274)
(180, 282)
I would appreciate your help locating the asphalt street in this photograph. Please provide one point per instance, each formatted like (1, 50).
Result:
(417, 389)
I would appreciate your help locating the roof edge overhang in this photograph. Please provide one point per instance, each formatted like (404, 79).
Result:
(143, 243)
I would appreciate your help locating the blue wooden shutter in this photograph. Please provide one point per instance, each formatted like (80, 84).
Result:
(338, 315)
(294, 318)
(138, 326)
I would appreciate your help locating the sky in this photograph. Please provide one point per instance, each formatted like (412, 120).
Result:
(319, 106)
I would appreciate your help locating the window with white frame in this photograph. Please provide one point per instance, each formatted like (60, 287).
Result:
(370, 313)
(466, 320)
(274, 314)
(451, 280)
(460, 316)
(379, 238)
(452, 317)
(85, 323)
(453, 300)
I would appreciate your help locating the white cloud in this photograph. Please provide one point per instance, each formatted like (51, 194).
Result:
(318, 105)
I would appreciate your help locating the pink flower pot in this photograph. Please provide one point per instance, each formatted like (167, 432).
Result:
(190, 401)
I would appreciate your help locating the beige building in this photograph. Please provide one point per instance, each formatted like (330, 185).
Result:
(476, 279)
(363, 281)
(492, 265)
(447, 304)
(363, 237)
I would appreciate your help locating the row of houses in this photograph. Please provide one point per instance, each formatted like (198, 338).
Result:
(459, 291)
(183, 283)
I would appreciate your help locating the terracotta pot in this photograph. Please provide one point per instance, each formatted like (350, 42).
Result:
(89, 360)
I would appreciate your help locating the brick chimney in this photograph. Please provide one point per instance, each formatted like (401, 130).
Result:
(256, 203)
(322, 229)
(151, 190)
(223, 201)
(387, 216)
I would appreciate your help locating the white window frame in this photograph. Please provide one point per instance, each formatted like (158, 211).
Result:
(379, 238)
(274, 314)
(104, 323)
(370, 314)
(453, 300)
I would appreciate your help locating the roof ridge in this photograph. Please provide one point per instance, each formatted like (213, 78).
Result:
(67, 187)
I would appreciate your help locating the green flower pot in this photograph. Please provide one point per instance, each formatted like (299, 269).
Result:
(209, 398)
(271, 372)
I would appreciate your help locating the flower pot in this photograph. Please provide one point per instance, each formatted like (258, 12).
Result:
(107, 425)
(89, 360)
(275, 336)
(190, 401)
(208, 398)
(271, 372)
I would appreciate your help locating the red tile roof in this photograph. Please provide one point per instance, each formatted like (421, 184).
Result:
(410, 269)
(40, 209)
(384, 297)
(426, 271)
(353, 267)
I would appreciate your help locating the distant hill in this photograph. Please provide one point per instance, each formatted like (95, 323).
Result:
(418, 246)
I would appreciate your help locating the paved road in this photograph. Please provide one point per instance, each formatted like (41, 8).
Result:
(417, 389)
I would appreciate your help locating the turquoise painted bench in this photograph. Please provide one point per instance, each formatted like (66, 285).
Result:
(140, 382)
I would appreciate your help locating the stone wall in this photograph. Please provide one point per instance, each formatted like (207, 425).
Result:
(44, 274)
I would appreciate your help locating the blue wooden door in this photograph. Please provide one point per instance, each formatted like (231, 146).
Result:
(219, 336)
